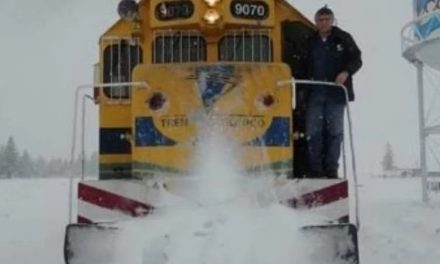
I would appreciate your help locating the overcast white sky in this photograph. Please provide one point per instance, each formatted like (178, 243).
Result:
(49, 46)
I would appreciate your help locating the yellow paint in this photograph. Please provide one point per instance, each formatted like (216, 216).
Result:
(115, 158)
(177, 82)
(239, 112)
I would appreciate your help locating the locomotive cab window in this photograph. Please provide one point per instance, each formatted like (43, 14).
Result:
(178, 47)
(246, 47)
(119, 60)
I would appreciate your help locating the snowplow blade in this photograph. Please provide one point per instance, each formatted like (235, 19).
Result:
(333, 244)
(90, 244)
(95, 244)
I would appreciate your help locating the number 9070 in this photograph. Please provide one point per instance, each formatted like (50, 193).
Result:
(249, 10)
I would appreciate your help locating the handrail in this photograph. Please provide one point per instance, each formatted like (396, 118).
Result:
(350, 131)
(419, 19)
(74, 126)
(410, 25)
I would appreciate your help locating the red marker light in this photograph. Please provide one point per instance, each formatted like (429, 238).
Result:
(268, 100)
(156, 101)
(96, 94)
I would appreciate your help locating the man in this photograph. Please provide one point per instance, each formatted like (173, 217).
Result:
(332, 56)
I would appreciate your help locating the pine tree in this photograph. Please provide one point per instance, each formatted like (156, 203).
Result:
(10, 158)
(26, 166)
(2, 162)
(92, 164)
(388, 158)
(40, 167)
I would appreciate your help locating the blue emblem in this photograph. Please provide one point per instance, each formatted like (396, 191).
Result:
(212, 80)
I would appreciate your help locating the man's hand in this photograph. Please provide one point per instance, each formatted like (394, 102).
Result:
(341, 78)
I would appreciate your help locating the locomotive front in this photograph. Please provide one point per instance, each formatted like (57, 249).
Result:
(178, 58)
(169, 71)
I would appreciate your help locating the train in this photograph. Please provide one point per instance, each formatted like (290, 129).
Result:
(164, 63)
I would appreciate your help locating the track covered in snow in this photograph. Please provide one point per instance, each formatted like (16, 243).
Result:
(396, 226)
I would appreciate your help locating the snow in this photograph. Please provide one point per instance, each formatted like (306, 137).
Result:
(226, 233)
(396, 227)
(33, 215)
(228, 218)
(221, 222)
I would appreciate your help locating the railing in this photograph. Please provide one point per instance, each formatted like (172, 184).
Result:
(412, 35)
(332, 85)
(78, 91)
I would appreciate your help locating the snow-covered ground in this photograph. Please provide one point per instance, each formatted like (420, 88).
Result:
(396, 227)
(33, 214)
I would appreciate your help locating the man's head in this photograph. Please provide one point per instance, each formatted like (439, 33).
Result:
(324, 19)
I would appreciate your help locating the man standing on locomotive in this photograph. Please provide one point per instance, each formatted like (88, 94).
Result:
(332, 56)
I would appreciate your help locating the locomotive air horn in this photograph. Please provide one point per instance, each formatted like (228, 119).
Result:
(128, 10)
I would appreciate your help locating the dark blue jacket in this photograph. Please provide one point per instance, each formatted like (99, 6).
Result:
(344, 55)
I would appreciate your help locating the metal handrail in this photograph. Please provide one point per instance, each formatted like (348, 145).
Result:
(74, 126)
(350, 131)
(83, 132)
(410, 25)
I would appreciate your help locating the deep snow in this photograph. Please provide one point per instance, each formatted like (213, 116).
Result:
(396, 227)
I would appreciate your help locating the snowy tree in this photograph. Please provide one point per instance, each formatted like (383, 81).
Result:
(40, 167)
(92, 164)
(26, 165)
(57, 167)
(2, 161)
(388, 158)
(10, 158)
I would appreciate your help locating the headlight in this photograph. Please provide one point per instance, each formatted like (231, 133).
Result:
(211, 16)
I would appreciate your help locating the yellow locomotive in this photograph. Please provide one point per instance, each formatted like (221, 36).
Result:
(167, 62)
(236, 48)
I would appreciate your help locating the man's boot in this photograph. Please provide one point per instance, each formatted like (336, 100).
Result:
(313, 174)
(331, 174)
